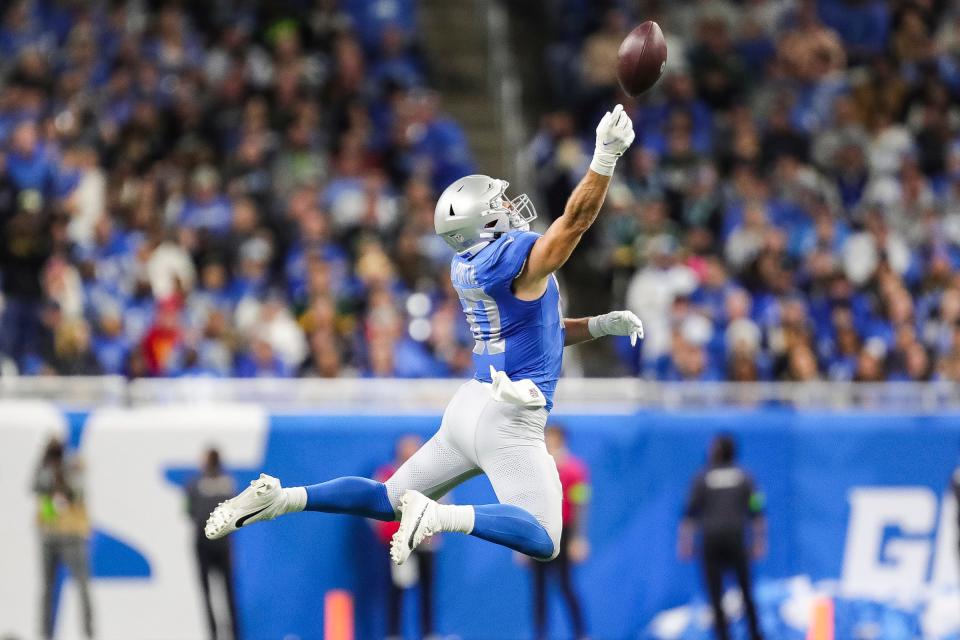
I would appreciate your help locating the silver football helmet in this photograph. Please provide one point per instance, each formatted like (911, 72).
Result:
(476, 208)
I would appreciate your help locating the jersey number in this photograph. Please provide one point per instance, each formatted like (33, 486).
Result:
(484, 318)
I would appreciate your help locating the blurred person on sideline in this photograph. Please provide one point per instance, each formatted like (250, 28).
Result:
(64, 530)
(417, 572)
(723, 500)
(574, 548)
(212, 486)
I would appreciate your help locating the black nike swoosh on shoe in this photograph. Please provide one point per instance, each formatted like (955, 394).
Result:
(416, 526)
(243, 519)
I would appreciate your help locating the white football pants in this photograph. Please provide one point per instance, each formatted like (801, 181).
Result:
(481, 435)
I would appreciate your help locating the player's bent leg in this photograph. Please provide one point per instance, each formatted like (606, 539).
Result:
(503, 524)
(349, 495)
(448, 459)
(516, 528)
(510, 449)
(431, 472)
(436, 468)
(514, 456)
(420, 518)
(265, 499)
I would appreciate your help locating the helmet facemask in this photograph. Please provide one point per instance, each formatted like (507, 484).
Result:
(520, 210)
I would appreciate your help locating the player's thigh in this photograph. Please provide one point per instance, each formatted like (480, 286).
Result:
(433, 470)
(526, 477)
(447, 459)
(514, 456)
(462, 417)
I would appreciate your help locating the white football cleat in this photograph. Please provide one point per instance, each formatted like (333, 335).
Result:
(418, 521)
(264, 499)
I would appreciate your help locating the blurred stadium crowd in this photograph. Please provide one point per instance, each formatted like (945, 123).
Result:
(791, 207)
(247, 188)
(223, 188)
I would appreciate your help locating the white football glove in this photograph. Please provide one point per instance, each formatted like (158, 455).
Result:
(616, 323)
(614, 135)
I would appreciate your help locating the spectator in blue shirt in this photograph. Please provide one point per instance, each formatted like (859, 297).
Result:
(212, 293)
(193, 367)
(689, 362)
(19, 30)
(864, 26)
(259, 361)
(313, 243)
(207, 208)
(395, 64)
(110, 346)
(440, 140)
(29, 162)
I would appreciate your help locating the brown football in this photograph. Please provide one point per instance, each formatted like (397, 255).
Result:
(641, 58)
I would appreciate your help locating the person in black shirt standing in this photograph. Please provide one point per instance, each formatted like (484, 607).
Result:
(723, 501)
(204, 493)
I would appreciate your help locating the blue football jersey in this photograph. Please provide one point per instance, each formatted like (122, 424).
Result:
(523, 338)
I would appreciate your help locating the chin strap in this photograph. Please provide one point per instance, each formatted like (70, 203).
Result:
(470, 251)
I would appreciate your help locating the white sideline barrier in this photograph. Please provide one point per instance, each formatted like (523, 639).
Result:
(126, 454)
(366, 394)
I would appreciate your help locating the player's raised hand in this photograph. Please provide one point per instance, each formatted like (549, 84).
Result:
(617, 323)
(614, 136)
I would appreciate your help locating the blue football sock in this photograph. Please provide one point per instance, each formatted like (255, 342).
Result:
(512, 527)
(351, 495)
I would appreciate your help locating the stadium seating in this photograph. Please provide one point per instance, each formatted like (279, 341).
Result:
(789, 210)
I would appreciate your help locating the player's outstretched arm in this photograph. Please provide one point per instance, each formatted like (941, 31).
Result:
(615, 323)
(553, 249)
